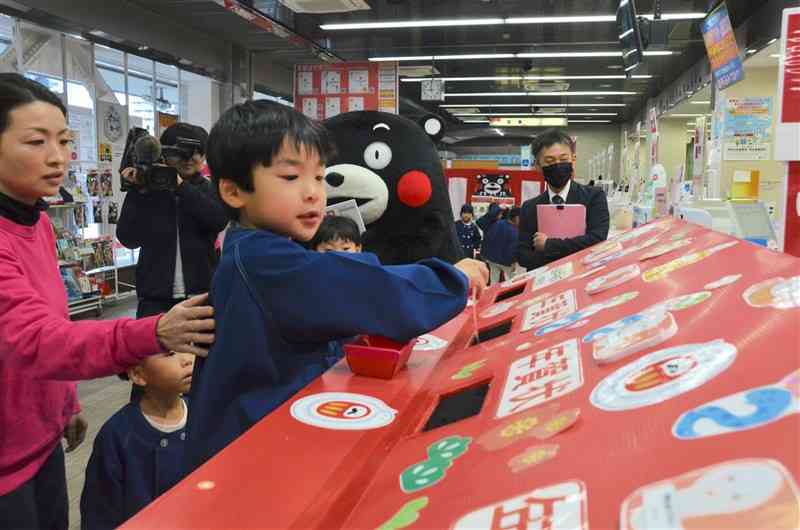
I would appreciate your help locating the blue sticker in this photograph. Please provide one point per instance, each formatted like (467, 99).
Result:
(614, 326)
(770, 403)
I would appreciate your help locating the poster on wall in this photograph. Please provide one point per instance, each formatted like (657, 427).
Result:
(748, 128)
(698, 156)
(787, 130)
(81, 122)
(322, 91)
(723, 52)
(112, 131)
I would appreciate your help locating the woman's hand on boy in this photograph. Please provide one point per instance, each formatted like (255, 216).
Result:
(477, 273)
(188, 327)
(75, 432)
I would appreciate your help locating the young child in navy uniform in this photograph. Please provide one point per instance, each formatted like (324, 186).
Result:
(138, 453)
(468, 232)
(277, 304)
(337, 233)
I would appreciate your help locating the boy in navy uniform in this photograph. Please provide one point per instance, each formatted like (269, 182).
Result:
(468, 232)
(138, 453)
(277, 304)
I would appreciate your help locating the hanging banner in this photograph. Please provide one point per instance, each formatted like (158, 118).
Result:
(748, 128)
(322, 91)
(723, 52)
(787, 130)
(698, 156)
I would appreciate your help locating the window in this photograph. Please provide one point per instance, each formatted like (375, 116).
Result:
(140, 90)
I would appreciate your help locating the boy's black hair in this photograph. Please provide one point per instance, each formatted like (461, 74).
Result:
(336, 227)
(16, 90)
(252, 133)
(145, 313)
(550, 137)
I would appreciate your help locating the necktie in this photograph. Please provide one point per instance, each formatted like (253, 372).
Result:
(557, 199)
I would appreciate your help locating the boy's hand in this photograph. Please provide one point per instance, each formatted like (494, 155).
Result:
(477, 272)
(75, 432)
(187, 326)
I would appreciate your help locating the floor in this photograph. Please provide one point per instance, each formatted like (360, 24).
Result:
(100, 399)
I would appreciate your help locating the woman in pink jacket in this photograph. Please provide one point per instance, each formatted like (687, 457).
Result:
(43, 353)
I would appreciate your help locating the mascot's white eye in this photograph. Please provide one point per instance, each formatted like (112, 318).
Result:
(486, 181)
(377, 155)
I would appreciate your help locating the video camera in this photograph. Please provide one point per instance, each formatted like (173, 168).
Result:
(143, 152)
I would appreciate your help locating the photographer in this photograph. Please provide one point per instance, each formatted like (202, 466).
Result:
(173, 214)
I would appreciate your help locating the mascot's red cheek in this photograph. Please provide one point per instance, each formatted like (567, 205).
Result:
(414, 189)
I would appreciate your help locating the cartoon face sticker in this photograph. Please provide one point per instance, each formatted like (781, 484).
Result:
(493, 186)
(741, 411)
(778, 293)
(662, 375)
(747, 493)
(342, 411)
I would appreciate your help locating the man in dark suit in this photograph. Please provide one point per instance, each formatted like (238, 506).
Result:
(555, 155)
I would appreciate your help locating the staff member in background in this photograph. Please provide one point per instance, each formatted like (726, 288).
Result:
(176, 230)
(555, 155)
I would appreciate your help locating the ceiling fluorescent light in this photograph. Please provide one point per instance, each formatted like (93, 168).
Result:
(442, 23)
(676, 16)
(561, 20)
(771, 41)
(589, 121)
(472, 105)
(475, 121)
(414, 24)
(574, 93)
(568, 54)
(701, 103)
(523, 78)
(776, 55)
(523, 55)
(474, 56)
(536, 114)
(498, 131)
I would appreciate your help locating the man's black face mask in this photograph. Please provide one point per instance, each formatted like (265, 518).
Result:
(557, 175)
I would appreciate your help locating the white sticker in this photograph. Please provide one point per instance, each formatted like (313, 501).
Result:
(551, 276)
(429, 342)
(662, 375)
(779, 293)
(613, 279)
(723, 282)
(540, 377)
(748, 493)
(546, 310)
(497, 309)
(561, 506)
(342, 411)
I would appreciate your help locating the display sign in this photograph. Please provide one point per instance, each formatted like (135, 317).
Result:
(787, 130)
(322, 91)
(748, 128)
(528, 122)
(723, 52)
(667, 400)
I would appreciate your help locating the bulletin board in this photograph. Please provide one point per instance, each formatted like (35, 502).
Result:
(322, 91)
(508, 187)
(649, 382)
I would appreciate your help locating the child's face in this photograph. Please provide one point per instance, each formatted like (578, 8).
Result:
(165, 373)
(34, 152)
(338, 245)
(288, 197)
(466, 217)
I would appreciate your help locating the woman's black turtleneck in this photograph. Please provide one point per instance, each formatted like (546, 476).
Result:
(19, 212)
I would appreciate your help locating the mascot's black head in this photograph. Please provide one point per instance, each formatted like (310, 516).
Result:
(390, 166)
